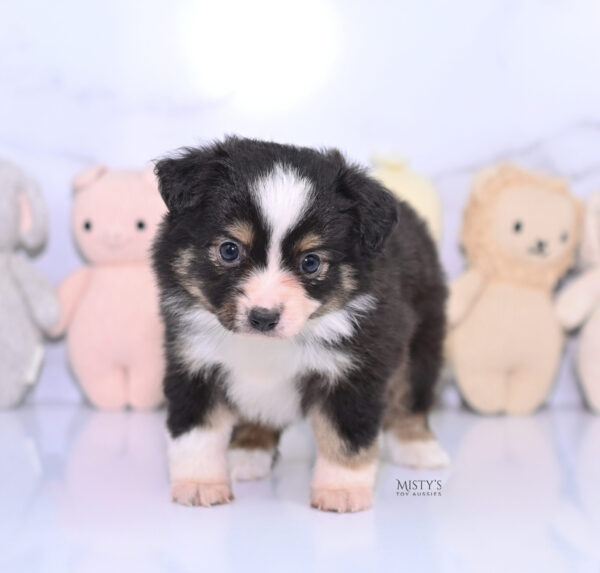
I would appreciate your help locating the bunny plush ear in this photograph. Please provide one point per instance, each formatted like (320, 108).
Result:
(88, 176)
(33, 217)
(589, 251)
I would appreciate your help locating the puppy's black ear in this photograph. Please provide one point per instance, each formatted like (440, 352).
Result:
(184, 180)
(376, 208)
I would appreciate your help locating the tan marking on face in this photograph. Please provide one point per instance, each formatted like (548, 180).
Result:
(184, 259)
(332, 447)
(347, 274)
(227, 313)
(276, 289)
(249, 436)
(241, 231)
(308, 242)
(342, 295)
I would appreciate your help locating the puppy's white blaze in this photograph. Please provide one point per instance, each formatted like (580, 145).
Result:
(201, 454)
(282, 197)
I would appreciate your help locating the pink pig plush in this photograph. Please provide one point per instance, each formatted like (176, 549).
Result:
(109, 308)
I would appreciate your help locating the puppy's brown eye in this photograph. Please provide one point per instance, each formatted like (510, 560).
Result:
(518, 226)
(564, 237)
(229, 252)
(310, 264)
(87, 225)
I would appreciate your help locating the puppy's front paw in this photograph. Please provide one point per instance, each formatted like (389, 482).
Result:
(189, 492)
(342, 500)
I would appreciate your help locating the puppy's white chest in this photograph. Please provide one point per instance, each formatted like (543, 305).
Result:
(262, 374)
(263, 377)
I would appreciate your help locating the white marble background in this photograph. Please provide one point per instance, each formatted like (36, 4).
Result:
(451, 86)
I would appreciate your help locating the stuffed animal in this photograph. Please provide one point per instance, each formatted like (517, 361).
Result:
(413, 188)
(109, 308)
(28, 304)
(519, 234)
(579, 303)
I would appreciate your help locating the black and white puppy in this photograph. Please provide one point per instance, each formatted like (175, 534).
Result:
(293, 284)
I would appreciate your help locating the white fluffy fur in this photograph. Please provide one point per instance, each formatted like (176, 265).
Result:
(249, 464)
(329, 475)
(335, 326)
(426, 454)
(263, 371)
(200, 454)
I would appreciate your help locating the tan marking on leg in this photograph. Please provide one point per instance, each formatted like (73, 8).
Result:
(331, 446)
(411, 427)
(410, 441)
(252, 451)
(254, 436)
(342, 481)
(242, 231)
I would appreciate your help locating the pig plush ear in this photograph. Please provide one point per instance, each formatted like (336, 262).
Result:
(86, 177)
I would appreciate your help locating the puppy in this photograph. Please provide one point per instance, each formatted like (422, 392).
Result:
(293, 284)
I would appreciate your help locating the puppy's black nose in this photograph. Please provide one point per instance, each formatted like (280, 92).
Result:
(541, 246)
(263, 319)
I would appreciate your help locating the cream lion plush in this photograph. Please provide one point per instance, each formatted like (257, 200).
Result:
(579, 303)
(519, 234)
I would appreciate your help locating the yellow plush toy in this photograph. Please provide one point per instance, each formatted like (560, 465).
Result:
(413, 188)
(520, 233)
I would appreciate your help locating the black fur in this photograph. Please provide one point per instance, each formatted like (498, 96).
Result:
(363, 227)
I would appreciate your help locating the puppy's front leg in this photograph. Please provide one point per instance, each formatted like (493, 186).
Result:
(345, 469)
(198, 461)
(200, 425)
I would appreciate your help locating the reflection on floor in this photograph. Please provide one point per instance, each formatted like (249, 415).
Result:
(86, 491)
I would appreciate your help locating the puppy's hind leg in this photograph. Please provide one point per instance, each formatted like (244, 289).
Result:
(252, 451)
(411, 443)
(411, 393)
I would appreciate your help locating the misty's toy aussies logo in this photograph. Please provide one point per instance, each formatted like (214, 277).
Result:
(419, 487)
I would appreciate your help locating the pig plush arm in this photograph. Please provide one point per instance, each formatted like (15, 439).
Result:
(37, 292)
(70, 292)
(464, 291)
(577, 300)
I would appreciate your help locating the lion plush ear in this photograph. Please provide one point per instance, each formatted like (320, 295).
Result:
(589, 250)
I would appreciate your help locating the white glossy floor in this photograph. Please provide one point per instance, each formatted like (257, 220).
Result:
(85, 491)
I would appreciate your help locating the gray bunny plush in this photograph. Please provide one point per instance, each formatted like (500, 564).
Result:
(28, 303)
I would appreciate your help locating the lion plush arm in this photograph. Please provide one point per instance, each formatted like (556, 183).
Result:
(464, 291)
(577, 300)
